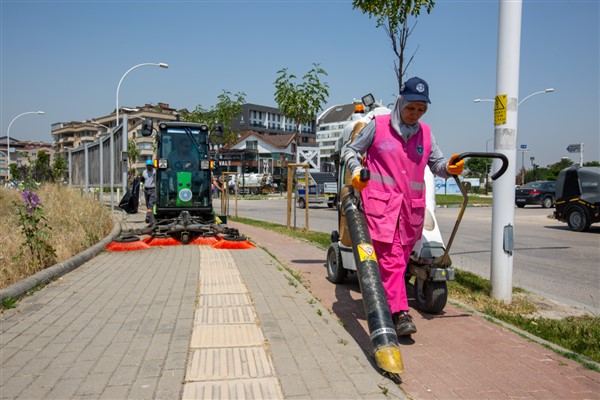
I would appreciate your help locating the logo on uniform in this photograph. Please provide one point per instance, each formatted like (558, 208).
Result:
(420, 150)
(420, 88)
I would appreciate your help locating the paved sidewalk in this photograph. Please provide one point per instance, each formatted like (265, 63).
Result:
(176, 322)
(197, 322)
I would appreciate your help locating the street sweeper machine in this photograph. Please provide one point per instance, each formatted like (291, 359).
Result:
(351, 250)
(183, 212)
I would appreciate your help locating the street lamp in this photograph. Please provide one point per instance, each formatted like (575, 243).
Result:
(8, 138)
(548, 90)
(111, 142)
(161, 65)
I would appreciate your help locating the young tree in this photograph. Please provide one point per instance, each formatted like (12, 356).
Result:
(226, 110)
(59, 169)
(133, 153)
(301, 101)
(41, 170)
(393, 17)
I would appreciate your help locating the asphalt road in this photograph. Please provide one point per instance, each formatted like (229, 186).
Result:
(549, 258)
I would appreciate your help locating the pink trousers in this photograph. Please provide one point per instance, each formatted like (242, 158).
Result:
(392, 259)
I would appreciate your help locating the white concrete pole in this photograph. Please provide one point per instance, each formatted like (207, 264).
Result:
(505, 139)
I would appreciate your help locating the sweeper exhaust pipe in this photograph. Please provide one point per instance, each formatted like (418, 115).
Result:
(379, 319)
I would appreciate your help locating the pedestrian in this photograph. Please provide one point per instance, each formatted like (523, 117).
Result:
(149, 190)
(216, 187)
(396, 148)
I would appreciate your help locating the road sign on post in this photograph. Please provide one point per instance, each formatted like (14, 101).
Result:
(574, 148)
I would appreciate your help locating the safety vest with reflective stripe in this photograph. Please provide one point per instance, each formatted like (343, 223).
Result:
(395, 195)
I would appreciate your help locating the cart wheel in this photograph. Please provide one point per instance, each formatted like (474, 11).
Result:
(335, 271)
(430, 296)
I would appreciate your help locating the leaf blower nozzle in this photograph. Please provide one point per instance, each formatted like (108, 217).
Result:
(379, 319)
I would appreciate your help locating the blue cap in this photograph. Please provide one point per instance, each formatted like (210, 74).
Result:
(149, 162)
(415, 89)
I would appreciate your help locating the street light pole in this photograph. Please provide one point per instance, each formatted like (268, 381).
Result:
(161, 65)
(111, 139)
(8, 138)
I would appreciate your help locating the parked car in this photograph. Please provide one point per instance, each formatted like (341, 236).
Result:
(541, 193)
(578, 197)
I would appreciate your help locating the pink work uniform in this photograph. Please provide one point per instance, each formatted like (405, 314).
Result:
(394, 202)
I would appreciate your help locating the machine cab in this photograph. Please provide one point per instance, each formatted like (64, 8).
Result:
(183, 169)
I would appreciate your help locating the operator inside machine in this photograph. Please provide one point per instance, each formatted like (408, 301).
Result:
(185, 155)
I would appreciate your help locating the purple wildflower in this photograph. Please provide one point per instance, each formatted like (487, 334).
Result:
(32, 201)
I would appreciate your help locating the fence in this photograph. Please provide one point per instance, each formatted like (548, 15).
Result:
(101, 164)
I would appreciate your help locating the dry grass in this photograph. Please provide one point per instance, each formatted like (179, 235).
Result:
(76, 221)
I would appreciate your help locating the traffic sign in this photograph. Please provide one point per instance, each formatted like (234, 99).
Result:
(574, 148)
(523, 146)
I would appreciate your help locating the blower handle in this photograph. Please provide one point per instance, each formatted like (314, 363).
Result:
(444, 260)
(500, 156)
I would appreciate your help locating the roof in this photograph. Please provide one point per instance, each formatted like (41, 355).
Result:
(280, 141)
(337, 113)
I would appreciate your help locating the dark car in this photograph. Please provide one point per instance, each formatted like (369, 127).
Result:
(541, 193)
(578, 197)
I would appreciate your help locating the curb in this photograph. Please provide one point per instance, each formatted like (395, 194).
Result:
(19, 289)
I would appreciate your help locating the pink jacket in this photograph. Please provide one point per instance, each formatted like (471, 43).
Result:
(395, 195)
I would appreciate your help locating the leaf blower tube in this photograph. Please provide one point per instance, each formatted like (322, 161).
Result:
(379, 319)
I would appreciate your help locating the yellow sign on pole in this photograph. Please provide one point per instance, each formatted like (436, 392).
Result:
(500, 110)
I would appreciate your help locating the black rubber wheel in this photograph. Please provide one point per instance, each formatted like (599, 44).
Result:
(335, 271)
(185, 238)
(301, 203)
(430, 296)
(578, 219)
(521, 205)
(548, 202)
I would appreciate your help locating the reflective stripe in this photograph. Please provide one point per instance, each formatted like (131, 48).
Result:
(382, 331)
(414, 185)
(388, 180)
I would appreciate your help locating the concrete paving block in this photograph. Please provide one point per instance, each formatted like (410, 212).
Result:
(206, 336)
(260, 388)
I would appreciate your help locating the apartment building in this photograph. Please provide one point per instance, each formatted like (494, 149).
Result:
(22, 153)
(330, 125)
(269, 121)
(71, 135)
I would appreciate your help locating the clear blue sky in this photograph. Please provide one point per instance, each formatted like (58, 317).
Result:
(66, 58)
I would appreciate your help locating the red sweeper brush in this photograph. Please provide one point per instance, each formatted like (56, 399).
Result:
(206, 240)
(161, 240)
(233, 243)
(127, 243)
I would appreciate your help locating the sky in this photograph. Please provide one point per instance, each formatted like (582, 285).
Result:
(66, 58)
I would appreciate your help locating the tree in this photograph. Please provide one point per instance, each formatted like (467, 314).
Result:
(133, 153)
(393, 17)
(59, 168)
(226, 110)
(41, 167)
(301, 101)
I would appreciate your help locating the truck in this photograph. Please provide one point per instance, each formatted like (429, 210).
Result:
(251, 183)
(322, 189)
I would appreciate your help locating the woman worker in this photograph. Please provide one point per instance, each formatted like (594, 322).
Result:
(396, 148)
